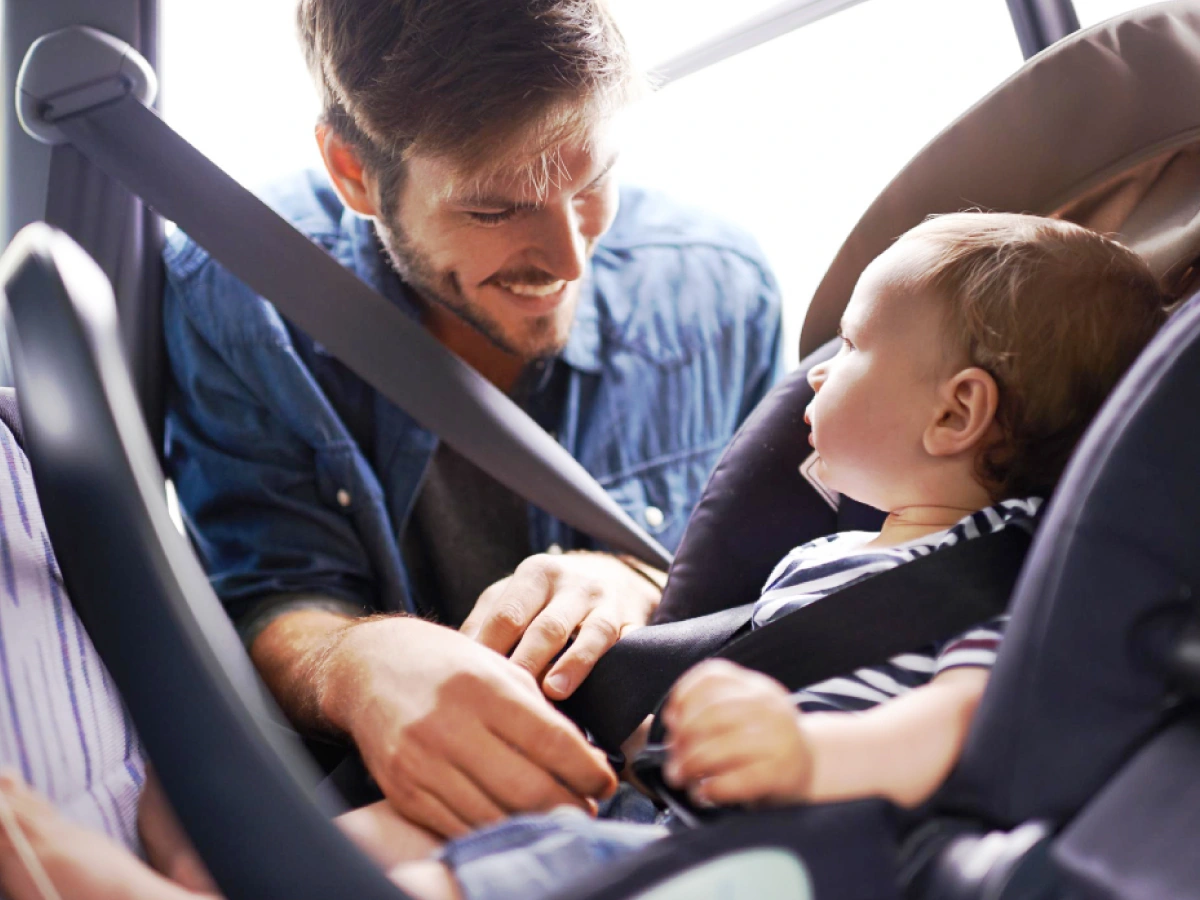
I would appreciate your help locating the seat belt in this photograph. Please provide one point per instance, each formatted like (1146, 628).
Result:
(370, 335)
(918, 603)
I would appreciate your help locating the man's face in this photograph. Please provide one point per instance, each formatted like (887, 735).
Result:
(502, 257)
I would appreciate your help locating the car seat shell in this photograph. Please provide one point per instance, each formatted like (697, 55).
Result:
(1132, 169)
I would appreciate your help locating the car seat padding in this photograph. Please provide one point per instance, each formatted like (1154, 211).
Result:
(1084, 675)
(1108, 100)
(756, 507)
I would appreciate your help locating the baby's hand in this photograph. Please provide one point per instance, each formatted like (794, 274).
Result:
(735, 737)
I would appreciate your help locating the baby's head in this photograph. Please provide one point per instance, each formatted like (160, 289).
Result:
(975, 352)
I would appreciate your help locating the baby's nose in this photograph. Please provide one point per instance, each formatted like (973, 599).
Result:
(816, 376)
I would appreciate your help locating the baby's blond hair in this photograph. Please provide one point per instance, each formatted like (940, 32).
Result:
(1054, 312)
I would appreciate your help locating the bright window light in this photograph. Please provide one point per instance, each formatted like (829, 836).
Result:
(1092, 12)
(792, 140)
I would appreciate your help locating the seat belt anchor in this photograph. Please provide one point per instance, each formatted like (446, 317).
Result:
(73, 70)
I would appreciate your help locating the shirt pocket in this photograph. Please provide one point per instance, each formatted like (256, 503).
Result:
(660, 495)
(338, 485)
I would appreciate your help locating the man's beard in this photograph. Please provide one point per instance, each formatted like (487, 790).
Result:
(538, 341)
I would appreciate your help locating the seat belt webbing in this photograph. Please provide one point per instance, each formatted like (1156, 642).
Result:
(370, 335)
(915, 604)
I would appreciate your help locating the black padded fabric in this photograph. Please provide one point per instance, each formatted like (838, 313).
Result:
(1083, 677)
(1136, 840)
(143, 597)
(756, 507)
(927, 600)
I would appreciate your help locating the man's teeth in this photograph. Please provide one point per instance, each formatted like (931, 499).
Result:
(534, 290)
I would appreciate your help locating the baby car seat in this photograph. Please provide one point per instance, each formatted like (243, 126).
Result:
(1084, 705)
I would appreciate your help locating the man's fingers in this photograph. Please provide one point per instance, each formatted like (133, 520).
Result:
(515, 783)
(432, 791)
(596, 636)
(475, 619)
(526, 593)
(548, 739)
(551, 630)
(422, 808)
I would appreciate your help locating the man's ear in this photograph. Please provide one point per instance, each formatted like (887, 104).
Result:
(354, 184)
(965, 414)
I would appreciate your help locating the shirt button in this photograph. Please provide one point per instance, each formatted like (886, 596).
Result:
(654, 516)
(343, 498)
(554, 550)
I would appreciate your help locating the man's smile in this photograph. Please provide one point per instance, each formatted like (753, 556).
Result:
(533, 299)
(533, 290)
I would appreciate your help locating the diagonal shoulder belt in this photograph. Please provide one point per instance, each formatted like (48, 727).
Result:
(915, 604)
(368, 334)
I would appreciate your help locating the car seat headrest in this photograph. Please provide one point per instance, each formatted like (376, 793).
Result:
(756, 506)
(1086, 671)
(1126, 160)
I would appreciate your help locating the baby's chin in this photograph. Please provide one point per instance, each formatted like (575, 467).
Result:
(847, 487)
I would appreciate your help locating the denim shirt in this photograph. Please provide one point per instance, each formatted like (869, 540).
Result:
(297, 479)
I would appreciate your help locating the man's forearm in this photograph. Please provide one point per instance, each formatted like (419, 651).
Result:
(292, 655)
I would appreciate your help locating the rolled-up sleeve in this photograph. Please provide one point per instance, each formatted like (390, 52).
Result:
(269, 499)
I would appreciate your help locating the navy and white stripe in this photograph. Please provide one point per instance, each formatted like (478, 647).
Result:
(62, 724)
(822, 567)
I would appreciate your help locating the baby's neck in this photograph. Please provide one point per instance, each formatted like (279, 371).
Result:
(908, 523)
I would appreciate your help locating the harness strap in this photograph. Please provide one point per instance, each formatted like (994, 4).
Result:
(929, 599)
(919, 603)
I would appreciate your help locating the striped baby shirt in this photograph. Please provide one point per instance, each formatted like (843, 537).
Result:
(812, 572)
(62, 725)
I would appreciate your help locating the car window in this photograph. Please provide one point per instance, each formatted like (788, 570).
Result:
(791, 139)
(795, 138)
(1092, 12)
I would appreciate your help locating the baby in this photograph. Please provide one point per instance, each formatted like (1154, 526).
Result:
(974, 352)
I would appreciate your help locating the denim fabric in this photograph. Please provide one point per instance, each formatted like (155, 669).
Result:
(297, 479)
(629, 804)
(528, 856)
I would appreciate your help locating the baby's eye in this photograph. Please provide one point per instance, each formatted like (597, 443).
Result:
(846, 343)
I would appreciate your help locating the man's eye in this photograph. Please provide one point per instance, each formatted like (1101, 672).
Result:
(491, 218)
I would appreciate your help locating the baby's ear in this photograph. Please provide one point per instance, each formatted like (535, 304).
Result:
(965, 413)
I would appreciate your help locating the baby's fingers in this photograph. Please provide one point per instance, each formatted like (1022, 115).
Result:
(752, 782)
(689, 763)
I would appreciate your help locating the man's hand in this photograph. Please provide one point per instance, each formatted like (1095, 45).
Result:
(735, 737)
(455, 735)
(533, 613)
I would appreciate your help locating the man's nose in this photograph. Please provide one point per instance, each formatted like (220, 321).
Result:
(561, 246)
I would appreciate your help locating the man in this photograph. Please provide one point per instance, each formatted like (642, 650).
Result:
(470, 147)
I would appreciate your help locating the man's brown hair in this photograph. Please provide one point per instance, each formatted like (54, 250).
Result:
(1055, 313)
(463, 78)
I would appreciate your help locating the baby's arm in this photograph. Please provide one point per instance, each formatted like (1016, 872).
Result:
(735, 737)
